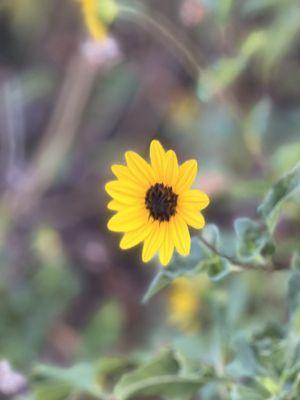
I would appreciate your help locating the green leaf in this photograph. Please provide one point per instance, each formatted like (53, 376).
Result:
(257, 392)
(285, 156)
(220, 75)
(254, 241)
(109, 370)
(257, 120)
(269, 351)
(104, 329)
(282, 36)
(216, 266)
(296, 262)
(220, 8)
(85, 379)
(294, 286)
(51, 383)
(211, 234)
(217, 269)
(159, 282)
(201, 259)
(179, 266)
(259, 7)
(161, 376)
(224, 9)
(253, 43)
(107, 10)
(245, 364)
(284, 189)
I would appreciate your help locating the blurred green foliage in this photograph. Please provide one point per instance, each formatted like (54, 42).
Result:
(31, 301)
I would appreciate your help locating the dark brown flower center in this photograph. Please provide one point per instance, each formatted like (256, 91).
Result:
(161, 202)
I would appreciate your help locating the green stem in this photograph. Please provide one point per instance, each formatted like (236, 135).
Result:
(271, 267)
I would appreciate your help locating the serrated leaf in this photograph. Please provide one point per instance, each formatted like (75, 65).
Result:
(161, 376)
(283, 190)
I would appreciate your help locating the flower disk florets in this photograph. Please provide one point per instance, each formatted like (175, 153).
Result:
(161, 202)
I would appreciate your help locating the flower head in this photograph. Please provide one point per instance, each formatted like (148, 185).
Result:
(155, 203)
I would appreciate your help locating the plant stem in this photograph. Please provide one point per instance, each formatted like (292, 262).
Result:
(271, 267)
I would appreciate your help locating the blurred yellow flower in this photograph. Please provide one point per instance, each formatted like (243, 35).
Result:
(184, 302)
(97, 15)
(48, 245)
(155, 203)
(184, 108)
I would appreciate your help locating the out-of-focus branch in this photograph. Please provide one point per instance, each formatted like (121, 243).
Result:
(162, 27)
(61, 132)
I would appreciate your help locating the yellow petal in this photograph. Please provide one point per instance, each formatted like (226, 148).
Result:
(125, 192)
(187, 175)
(171, 169)
(181, 235)
(115, 205)
(167, 247)
(157, 157)
(194, 198)
(140, 168)
(128, 219)
(153, 242)
(132, 238)
(122, 172)
(192, 217)
(94, 24)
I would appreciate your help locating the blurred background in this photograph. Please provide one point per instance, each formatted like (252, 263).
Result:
(218, 81)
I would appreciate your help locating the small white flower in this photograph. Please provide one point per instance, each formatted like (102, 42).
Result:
(11, 382)
(104, 53)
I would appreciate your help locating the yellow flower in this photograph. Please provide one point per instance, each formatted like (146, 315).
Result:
(155, 203)
(97, 14)
(184, 304)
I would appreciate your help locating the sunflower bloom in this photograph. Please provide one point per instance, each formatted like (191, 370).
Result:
(154, 203)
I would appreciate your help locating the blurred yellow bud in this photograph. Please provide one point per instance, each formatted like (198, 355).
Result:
(184, 302)
(98, 14)
(48, 246)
